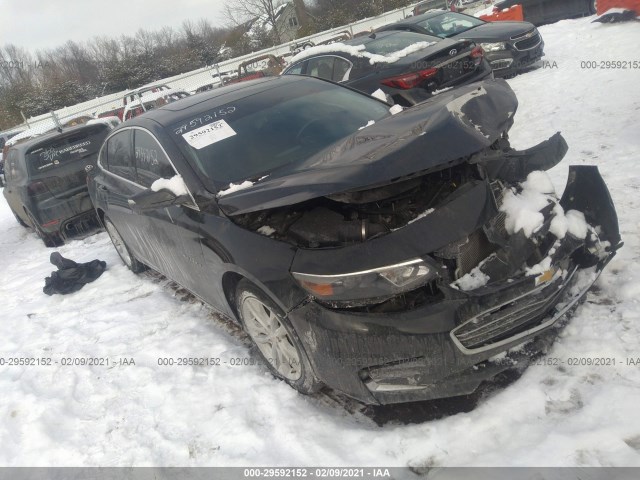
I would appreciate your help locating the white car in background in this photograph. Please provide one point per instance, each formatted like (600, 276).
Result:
(151, 101)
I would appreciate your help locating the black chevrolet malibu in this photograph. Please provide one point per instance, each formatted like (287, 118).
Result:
(510, 47)
(345, 239)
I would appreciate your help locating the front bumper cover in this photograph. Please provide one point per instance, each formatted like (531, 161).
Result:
(444, 348)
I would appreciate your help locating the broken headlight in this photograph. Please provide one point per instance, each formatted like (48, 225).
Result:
(382, 282)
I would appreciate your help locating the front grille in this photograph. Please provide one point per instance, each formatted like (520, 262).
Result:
(528, 43)
(510, 318)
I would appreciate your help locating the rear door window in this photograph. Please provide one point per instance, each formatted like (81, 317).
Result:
(321, 67)
(341, 70)
(119, 155)
(329, 67)
(150, 161)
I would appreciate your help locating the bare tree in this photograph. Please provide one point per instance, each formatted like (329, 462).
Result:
(240, 12)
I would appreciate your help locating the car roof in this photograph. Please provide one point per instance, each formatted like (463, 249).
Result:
(25, 145)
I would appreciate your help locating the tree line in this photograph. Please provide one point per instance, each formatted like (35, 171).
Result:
(36, 83)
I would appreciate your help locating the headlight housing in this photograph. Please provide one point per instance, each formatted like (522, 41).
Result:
(493, 47)
(377, 283)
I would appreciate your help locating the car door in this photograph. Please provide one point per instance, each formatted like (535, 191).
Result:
(171, 236)
(117, 184)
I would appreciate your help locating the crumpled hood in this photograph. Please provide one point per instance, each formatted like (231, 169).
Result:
(428, 136)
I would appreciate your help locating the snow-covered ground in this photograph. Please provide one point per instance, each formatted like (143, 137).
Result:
(146, 414)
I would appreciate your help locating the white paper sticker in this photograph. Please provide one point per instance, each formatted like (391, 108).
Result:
(211, 133)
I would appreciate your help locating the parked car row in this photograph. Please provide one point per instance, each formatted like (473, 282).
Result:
(414, 58)
(509, 47)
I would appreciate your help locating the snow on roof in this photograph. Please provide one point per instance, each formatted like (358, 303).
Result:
(359, 51)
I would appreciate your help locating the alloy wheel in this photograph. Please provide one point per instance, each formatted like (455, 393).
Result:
(271, 337)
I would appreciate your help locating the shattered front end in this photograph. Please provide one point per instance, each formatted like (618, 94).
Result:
(418, 284)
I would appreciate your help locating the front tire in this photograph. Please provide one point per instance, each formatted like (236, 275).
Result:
(121, 247)
(593, 7)
(274, 338)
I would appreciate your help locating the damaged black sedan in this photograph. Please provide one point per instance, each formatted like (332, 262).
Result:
(389, 257)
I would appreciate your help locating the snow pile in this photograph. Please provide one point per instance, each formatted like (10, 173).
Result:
(485, 11)
(523, 209)
(266, 230)
(359, 51)
(380, 95)
(572, 222)
(174, 184)
(396, 109)
(234, 187)
(541, 267)
(369, 123)
(476, 278)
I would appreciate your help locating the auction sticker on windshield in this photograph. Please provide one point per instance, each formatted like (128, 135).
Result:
(209, 134)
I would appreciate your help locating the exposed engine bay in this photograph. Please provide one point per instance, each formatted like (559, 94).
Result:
(357, 216)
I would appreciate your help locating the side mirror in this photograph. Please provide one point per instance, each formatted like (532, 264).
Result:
(152, 200)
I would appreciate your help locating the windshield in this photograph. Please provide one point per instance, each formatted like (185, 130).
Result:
(282, 126)
(449, 24)
(392, 43)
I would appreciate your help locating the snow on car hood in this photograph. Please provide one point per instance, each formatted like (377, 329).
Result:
(428, 136)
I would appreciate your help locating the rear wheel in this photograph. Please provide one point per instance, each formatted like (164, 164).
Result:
(593, 7)
(121, 247)
(50, 240)
(274, 338)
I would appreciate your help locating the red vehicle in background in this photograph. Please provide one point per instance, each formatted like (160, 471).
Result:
(258, 67)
